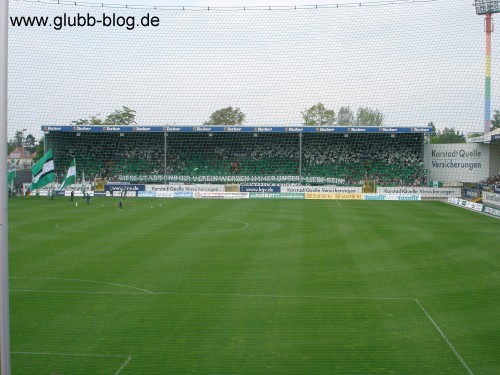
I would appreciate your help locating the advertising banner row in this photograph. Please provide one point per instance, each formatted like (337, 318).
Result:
(234, 129)
(424, 192)
(493, 211)
(63, 193)
(284, 191)
(240, 195)
(467, 204)
(271, 195)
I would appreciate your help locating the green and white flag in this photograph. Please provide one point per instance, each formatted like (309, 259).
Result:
(70, 176)
(43, 171)
(11, 176)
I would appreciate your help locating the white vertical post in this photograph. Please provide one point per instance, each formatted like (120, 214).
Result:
(164, 157)
(4, 265)
(300, 158)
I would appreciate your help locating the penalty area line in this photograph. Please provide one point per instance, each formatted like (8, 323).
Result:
(123, 365)
(117, 372)
(80, 281)
(445, 338)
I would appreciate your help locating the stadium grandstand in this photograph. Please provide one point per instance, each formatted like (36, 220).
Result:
(327, 155)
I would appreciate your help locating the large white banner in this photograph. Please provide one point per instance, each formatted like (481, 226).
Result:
(460, 162)
(320, 189)
(219, 195)
(391, 197)
(181, 187)
(467, 204)
(491, 198)
(425, 192)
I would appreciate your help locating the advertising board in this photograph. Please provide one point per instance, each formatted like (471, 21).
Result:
(392, 197)
(467, 204)
(424, 192)
(491, 198)
(278, 195)
(472, 193)
(182, 187)
(125, 187)
(260, 189)
(320, 189)
(146, 194)
(356, 196)
(491, 211)
(220, 195)
(467, 161)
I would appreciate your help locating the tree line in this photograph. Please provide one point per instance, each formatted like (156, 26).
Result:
(123, 116)
(316, 115)
(319, 115)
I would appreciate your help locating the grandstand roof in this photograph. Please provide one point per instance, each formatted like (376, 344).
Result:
(494, 136)
(233, 129)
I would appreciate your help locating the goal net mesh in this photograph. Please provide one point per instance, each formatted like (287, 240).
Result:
(372, 97)
(401, 64)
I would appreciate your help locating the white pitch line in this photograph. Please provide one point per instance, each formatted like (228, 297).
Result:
(82, 281)
(58, 226)
(243, 295)
(117, 372)
(74, 354)
(338, 203)
(78, 292)
(123, 365)
(457, 354)
(132, 287)
(429, 317)
(285, 296)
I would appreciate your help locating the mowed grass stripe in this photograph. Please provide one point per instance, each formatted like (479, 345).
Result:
(219, 317)
(283, 335)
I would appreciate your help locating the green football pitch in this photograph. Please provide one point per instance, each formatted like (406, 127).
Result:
(173, 286)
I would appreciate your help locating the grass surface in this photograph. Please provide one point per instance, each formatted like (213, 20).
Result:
(252, 287)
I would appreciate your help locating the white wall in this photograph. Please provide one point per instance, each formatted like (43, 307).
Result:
(460, 162)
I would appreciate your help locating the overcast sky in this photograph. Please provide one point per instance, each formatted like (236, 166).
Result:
(416, 62)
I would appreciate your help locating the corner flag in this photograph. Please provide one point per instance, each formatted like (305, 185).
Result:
(70, 176)
(43, 171)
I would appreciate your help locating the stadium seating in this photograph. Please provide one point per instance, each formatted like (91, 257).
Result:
(383, 159)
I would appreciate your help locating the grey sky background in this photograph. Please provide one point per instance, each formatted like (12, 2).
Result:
(415, 62)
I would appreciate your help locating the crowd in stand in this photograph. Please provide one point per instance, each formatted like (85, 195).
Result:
(492, 180)
(385, 160)
(109, 155)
